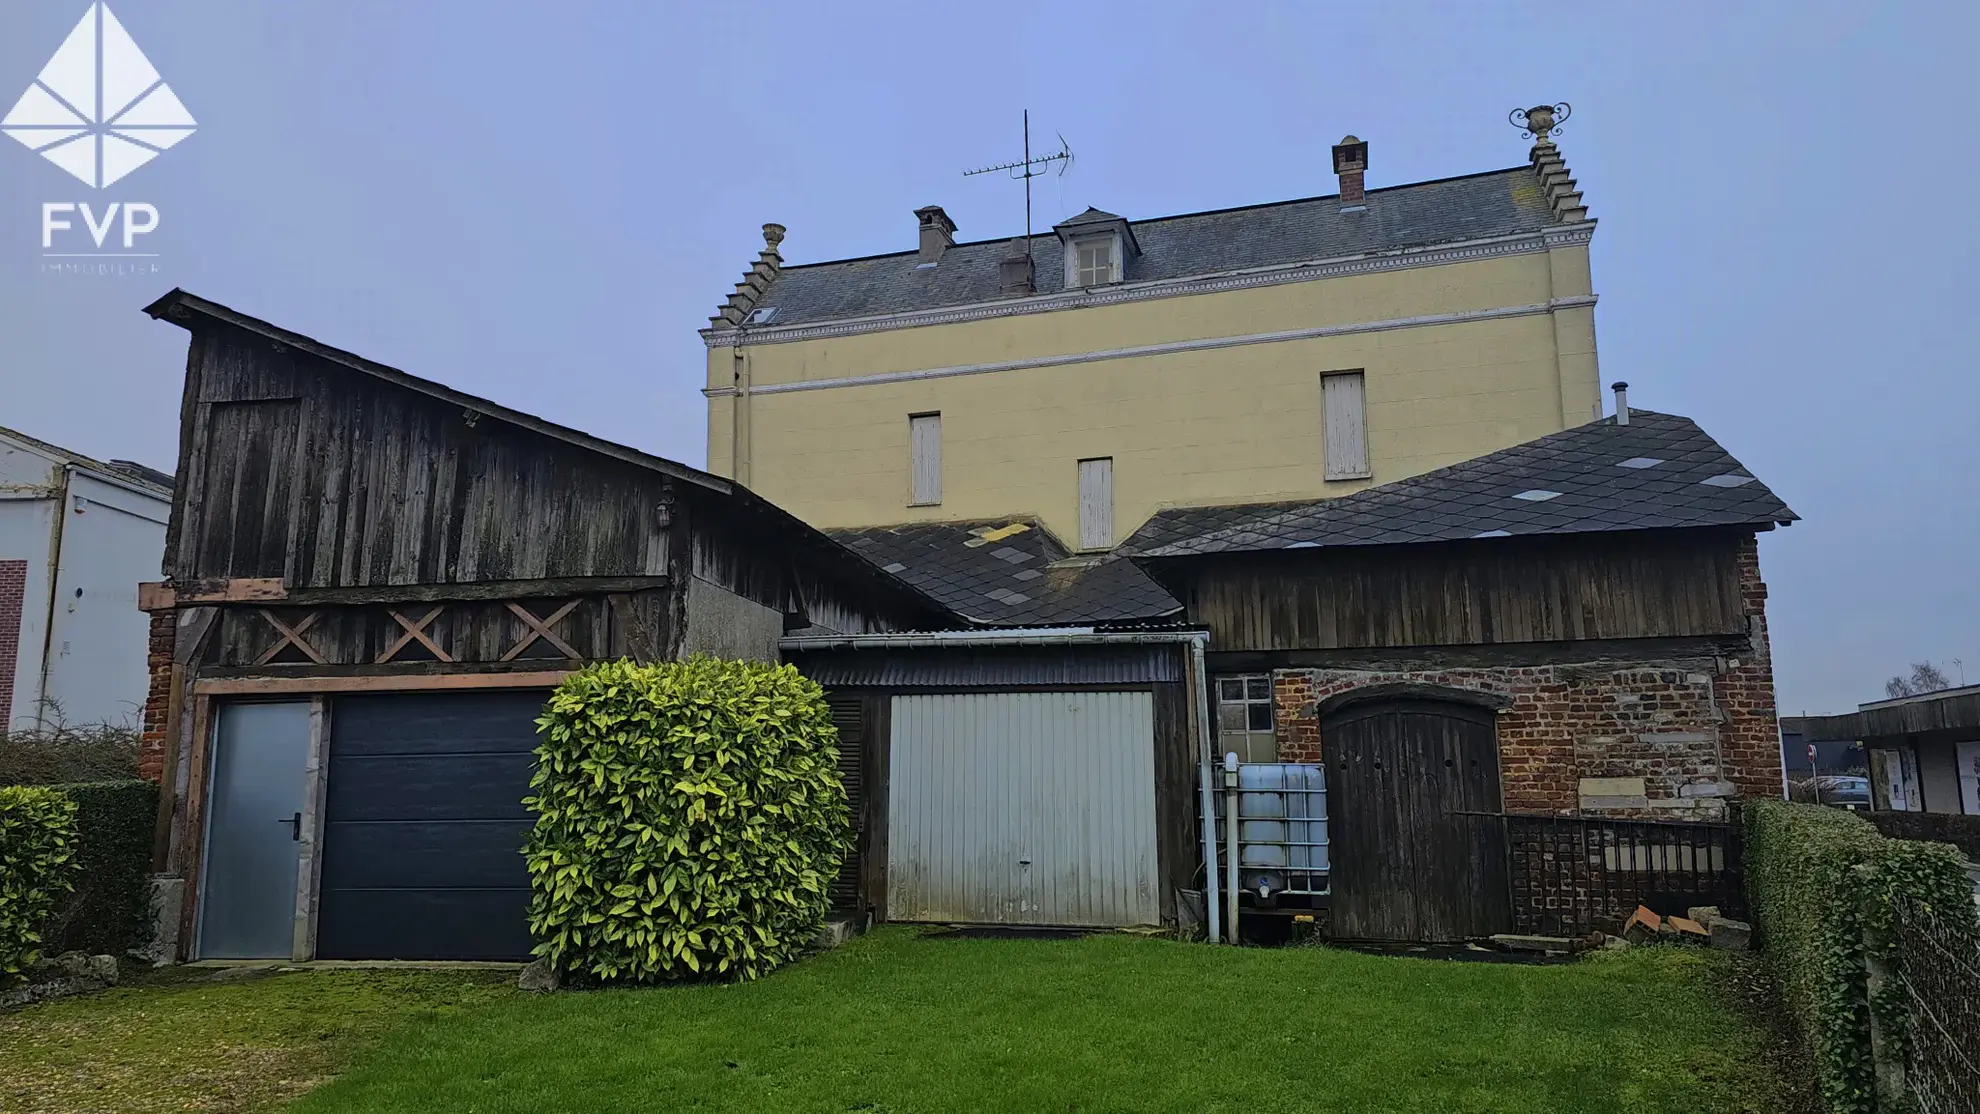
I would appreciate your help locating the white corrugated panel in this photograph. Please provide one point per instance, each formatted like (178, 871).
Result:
(1096, 503)
(925, 457)
(1032, 808)
(1343, 400)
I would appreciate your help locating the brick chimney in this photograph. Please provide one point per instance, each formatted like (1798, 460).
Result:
(1014, 273)
(1351, 163)
(938, 234)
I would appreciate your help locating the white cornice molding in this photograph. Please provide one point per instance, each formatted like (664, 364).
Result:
(1525, 243)
(1203, 345)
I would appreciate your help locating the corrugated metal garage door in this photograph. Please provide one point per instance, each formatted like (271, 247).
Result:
(1022, 808)
(424, 827)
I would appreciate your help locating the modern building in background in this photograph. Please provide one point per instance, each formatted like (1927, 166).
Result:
(76, 537)
(1924, 750)
(1110, 367)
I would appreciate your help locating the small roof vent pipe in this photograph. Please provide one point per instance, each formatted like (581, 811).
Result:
(1622, 401)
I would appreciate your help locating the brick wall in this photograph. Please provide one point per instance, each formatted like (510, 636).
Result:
(1662, 737)
(13, 597)
(157, 696)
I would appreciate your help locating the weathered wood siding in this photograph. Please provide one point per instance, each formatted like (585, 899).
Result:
(328, 478)
(1642, 584)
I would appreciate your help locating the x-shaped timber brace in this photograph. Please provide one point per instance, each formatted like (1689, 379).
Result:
(540, 628)
(415, 632)
(291, 636)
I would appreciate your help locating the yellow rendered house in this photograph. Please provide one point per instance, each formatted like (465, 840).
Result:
(1112, 367)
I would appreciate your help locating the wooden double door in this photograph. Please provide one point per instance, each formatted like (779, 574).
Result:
(1417, 854)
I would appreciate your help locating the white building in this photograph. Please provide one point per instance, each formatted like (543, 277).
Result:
(76, 537)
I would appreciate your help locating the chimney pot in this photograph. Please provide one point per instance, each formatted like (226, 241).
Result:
(938, 233)
(1622, 401)
(1351, 163)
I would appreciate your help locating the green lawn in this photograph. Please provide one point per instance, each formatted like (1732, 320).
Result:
(899, 1022)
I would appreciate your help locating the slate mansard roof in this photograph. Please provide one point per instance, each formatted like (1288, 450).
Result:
(1477, 206)
(1657, 472)
(1010, 572)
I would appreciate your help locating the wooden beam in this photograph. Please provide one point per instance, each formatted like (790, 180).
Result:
(291, 636)
(540, 628)
(156, 595)
(252, 589)
(477, 590)
(415, 630)
(373, 682)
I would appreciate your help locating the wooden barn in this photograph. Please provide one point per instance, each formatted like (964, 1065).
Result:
(372, 579)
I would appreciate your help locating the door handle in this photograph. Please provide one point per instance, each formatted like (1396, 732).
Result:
(295, 826)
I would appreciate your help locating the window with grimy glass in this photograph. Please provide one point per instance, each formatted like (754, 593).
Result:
(1244, 718)
(1095, 262)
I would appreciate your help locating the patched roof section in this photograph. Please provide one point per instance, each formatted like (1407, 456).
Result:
(1010, 572)
(1496, 203)
(1658, 472)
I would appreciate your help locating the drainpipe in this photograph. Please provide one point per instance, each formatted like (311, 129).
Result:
(1212, 909)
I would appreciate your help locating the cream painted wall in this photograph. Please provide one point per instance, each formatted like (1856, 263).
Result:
(1222, 425)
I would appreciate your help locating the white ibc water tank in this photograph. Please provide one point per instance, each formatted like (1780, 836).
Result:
(1282, 826)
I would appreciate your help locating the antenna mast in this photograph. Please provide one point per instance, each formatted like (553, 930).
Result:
(1028, 168)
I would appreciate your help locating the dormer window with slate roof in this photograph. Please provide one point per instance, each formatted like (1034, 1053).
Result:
(1098, 247)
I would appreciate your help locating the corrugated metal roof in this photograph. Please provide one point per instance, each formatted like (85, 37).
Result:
(980, 667)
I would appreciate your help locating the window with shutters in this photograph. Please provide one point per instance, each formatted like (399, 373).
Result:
(924, 459)
(1344, 411)
(1244, 718)
(1096, 503)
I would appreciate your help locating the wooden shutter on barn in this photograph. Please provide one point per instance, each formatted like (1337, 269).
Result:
(1096, 503)
(849, 716)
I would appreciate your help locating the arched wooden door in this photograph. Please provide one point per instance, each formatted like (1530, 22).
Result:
(1407, 864)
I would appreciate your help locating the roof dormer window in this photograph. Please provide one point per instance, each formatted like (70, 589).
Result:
(1099, 247)
(1095, 262)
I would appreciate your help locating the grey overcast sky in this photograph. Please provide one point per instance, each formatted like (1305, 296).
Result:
(540, 203)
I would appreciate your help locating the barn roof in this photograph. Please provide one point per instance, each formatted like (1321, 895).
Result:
(1010, 572)
(1659, 471)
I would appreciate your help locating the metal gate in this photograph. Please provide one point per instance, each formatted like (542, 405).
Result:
(1033, 808)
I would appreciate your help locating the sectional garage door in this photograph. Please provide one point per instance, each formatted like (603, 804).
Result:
(424, 826)
(1031, 808)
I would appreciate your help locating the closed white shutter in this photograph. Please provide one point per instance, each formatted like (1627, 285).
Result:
(1344, 403)
(1096, 503)
(925, 457)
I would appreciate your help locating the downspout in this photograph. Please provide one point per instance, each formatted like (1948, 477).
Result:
(739, 447)
(1201, 691)
(54, 593)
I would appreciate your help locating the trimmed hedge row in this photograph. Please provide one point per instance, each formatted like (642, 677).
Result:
(690, 816)
(37, 867)
(109, 911)
(1962, 832)
(1816, 879)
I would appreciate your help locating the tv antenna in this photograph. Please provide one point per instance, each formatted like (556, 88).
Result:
(1028, 168)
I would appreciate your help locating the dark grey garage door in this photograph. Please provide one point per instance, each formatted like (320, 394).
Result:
(424, 826)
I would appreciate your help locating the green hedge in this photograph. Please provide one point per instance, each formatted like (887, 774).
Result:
(37, 867)
(1816, 877)
(109, 911)
(690, 817)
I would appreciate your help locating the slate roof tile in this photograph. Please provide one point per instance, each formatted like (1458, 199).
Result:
(1475, 497)
(1027, 579)
(1494, 203)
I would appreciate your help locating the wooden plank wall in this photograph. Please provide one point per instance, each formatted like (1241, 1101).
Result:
(1572, 587)
(327, 477)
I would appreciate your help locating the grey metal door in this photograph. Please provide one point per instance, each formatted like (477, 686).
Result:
(1032, 808)
(247, 894)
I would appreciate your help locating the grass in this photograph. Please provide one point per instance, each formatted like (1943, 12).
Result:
(898, 1022)
(181, 1041)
